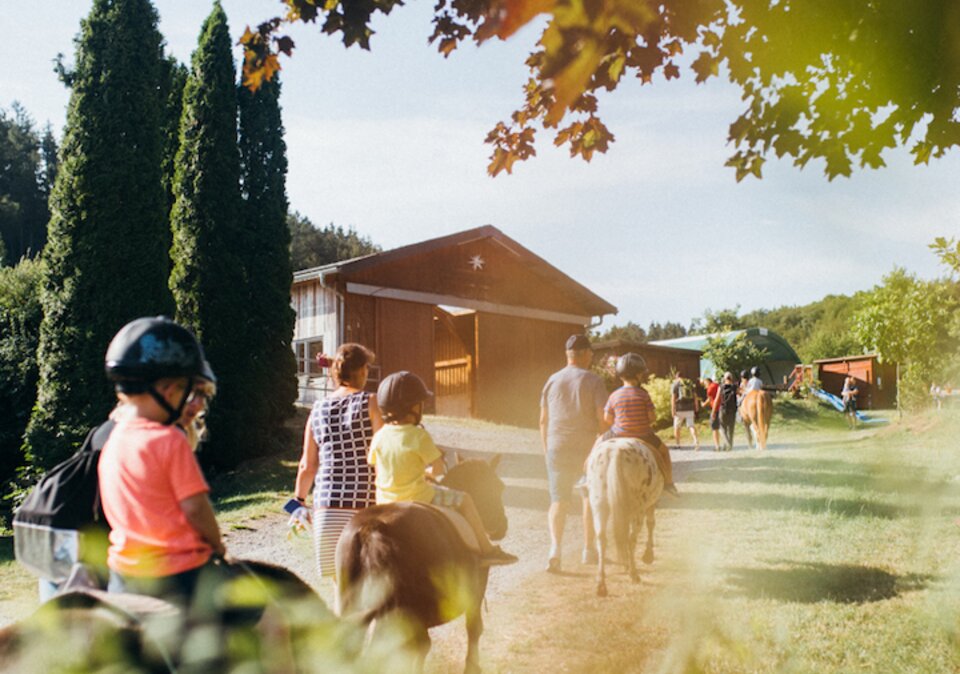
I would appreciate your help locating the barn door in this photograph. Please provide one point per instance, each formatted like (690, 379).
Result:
(453, 369)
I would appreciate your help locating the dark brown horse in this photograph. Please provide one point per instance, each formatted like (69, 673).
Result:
(405, 563)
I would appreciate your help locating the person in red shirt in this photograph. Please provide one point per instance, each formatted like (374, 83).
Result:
(711, 388)
(630, 413)
(163, 529)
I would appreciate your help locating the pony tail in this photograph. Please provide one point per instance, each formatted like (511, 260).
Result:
(365, 578)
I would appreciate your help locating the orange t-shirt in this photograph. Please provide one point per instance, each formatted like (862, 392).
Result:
(145, 470)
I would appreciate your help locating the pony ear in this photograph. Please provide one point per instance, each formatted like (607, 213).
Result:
(458, 456)
(495, 461)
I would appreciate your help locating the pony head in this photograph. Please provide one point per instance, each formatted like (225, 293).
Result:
(479, 479)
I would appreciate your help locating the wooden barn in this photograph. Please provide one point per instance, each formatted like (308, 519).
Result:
(661, 360)
(479, 317)
(877, 381)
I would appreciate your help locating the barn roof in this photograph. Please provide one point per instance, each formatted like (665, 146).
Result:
(421, 270)
(777, 347)
(843, 359)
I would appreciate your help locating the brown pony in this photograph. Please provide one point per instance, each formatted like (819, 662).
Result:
(405, 564)
(756, 411)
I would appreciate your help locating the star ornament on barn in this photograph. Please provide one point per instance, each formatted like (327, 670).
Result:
(477, 262)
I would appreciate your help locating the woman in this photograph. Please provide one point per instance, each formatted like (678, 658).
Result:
(335, 444)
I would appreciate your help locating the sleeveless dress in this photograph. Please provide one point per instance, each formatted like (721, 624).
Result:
(345, 481)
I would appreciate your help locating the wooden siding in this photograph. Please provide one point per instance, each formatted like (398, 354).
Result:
(405, 340)
(316, 309)
(504, 278)
(515, 356)
(877, 381)
(661, 361)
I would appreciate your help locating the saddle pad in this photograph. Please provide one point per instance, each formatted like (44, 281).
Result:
(463, 527)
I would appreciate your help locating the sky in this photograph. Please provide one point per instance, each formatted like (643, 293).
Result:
(390, 142)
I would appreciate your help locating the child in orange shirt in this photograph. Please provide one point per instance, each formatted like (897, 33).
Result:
(163, 529)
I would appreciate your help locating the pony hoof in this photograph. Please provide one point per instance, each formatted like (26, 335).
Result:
(648, 558)
(601, 590)
(635, 577)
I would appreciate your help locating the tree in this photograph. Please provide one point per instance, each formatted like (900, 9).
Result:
(266, 256)
(24, 158)
(948, 250)
(838, 81)
(312, 246)
(105, 261)
(908, 322)
(657, 332)
(733, 355)
(173, 78)
(723, 320)
(20, 314)
(208, 279)
(631, 332)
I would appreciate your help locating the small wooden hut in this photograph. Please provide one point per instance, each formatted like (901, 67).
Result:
(876, 381)
(479, 317)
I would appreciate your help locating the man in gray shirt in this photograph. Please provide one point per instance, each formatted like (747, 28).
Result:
(571, 417)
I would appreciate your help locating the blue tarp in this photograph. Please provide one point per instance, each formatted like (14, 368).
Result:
(838, 404)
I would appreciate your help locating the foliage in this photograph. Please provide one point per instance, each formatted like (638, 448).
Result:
(312, 246)
(631, 332)
(270, 317)
(659, 390)
(723, 320)
(948, 250)
(668, 330)
(20, 315)
(173, 79)
(834, 81)
(27, 164)
(733, 355)
(105, 258)
(909, 321)
(210, 239)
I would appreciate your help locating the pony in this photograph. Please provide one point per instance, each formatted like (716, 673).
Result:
(624, 484)
(756, 411)
(265, 606)
(404, 564)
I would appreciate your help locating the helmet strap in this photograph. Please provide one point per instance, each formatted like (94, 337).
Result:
(173, 413)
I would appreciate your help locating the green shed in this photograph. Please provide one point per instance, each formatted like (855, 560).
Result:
(774, 371)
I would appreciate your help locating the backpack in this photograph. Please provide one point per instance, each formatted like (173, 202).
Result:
(64, 506)
(686, 390)
(728, 398)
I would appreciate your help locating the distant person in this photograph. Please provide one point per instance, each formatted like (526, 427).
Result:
(164, 534)
(404, 456)
(684, 407)
(630, 413)
(711, 387)
(754, 383)
(849, 397)
(571, 418)
(334, 459)
(936, 393)
(724, 409)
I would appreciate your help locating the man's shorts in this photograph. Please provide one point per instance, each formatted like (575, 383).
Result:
(447, 497)
(562, 473)
(850, 406)
(680, 418)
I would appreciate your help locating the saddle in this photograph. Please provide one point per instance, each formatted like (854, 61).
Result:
(462, 527)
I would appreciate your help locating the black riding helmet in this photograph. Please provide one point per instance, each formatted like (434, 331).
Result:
(399, 392)
(148, 349)
(631, 365)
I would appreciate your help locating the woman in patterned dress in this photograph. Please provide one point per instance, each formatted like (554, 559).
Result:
(334, 460)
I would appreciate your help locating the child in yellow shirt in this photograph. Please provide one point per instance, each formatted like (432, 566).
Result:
(404, 455)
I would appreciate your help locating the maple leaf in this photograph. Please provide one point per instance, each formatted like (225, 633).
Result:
(705, 65)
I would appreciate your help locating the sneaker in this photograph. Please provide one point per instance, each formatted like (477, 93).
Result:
(497, 557)
(589, 556)
(671, 489)
(553, 565)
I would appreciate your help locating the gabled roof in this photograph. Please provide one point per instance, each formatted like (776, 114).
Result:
(361, 269)
(842, 359)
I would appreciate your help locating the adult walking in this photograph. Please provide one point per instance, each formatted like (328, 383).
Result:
(683, 408)
(336, 440)
(571, 417)
(725, 409)
(711, 387)
(849, 396)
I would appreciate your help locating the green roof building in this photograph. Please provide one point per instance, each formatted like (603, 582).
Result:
(780, 361)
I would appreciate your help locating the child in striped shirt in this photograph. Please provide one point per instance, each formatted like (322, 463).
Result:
(630, 413)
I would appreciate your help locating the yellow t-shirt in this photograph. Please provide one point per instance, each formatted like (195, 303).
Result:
(401, 453)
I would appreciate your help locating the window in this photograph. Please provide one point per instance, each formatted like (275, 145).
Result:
(306, 351)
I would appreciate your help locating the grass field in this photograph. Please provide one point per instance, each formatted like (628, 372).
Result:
(833, 551)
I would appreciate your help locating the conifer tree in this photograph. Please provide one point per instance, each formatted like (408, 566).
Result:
(207, 280)
(105, 258)
(266, 255)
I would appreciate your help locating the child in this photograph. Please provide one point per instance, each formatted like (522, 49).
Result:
(163, 529)
(404, 454)
(630, 414)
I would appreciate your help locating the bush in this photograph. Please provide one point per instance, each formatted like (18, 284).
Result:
(659, 390)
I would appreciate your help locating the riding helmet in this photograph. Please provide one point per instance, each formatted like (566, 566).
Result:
(148, 349)
(744, 374)
(399, 392)
(631, 365)
(755, 371)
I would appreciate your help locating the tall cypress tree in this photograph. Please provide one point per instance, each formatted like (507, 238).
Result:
(105, 258)
(208, 280)
(263, 158)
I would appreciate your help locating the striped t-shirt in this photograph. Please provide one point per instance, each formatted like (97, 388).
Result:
(631, 408)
